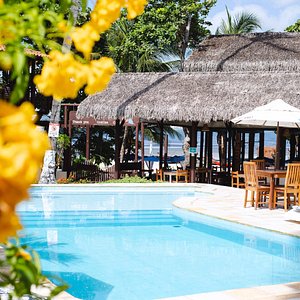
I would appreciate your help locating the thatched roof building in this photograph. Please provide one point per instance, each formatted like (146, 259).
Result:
(226, 77)
(268, 51)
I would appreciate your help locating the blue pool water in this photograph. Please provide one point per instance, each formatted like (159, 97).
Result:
(150, 251)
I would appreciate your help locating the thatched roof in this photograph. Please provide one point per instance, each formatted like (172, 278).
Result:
(270, 51)
(232, 74)
(185, 97)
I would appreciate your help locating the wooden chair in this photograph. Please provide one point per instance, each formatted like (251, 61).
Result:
(291, 186)
(252, 185)
(182, 174)
(260, 165)
(203, 175)
(237, 179)
(159, 175)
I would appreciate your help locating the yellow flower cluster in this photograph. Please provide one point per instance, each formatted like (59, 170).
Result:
(103, 15)
(22, 147)
(62, 76)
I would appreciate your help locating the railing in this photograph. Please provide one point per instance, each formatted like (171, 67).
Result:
(90, 172)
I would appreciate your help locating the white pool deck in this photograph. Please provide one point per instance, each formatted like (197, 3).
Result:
(227, 203)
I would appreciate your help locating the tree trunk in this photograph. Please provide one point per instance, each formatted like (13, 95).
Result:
(48, 171)
(185, 42)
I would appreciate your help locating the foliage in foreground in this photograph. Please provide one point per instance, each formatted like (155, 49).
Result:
(37, 25)
(23, 271)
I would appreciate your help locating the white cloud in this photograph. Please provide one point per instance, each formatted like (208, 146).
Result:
(275, 20)
(282, 3)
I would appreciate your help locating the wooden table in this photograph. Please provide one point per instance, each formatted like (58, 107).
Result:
(170, 174)
(271, 174)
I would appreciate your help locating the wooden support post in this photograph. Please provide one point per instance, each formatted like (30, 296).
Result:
(277, 152)
(243, 148)
(251, 144)
(229, 144)
(193, 143)
(201, 148)
(65, 116)
(282, 152)
(143, 146)
(161, 143)
(236, 150)
(298, 147)
(136, 153)
(292, 147)
(206, 149)
(166, 142)
(117, 148)
(261, 153)
(87, 143)
(209, 151)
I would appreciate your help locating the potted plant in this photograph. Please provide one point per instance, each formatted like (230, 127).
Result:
(63, 142)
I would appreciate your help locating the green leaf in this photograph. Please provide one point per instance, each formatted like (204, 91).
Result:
(58, 290)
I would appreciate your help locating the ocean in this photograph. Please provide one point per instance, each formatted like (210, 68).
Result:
(175, 145)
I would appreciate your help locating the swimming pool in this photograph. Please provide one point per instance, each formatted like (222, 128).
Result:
(128, 243)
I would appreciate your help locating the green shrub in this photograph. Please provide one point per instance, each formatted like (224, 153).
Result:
(128, 179)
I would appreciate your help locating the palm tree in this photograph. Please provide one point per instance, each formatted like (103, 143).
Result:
(243, 22)
(125, 58)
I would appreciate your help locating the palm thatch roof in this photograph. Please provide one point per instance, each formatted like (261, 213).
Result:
(227, 76)
(269, 51)
(185, 97)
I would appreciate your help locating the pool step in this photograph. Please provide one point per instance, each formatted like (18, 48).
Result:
(98, 218)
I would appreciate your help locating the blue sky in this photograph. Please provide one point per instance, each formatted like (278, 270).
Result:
(274, 15)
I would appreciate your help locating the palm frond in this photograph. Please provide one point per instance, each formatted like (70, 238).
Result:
(244, 22)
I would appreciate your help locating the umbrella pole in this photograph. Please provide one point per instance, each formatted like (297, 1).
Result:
(277, 152)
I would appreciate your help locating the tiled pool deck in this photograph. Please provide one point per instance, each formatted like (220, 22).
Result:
(227, 203)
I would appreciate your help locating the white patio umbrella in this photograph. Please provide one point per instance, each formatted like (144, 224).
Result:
(274, 114)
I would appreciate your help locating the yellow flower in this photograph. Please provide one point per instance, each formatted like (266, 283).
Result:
(62, 76)
(105, 13)
(62, 26)
(84, 39)
(22, 147)
(100, 73)
(135, 7)
(9, 222)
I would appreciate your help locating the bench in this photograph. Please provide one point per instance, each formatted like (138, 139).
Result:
(89, 172)
(131, 168)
